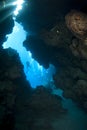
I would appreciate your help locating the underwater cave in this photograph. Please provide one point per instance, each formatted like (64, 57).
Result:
(54, 97)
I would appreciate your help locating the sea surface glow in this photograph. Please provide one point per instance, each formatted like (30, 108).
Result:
(19, 4)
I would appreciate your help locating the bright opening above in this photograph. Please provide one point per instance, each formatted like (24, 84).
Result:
(35, 73)
(18, 3)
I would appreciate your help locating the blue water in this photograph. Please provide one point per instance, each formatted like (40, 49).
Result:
(35, 73)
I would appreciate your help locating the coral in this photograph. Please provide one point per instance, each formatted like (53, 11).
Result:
(77, 23)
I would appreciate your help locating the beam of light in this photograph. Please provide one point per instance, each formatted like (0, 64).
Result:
(35, 73)
(6, 4)
(3, 6)
(5, 17)
(18, 3)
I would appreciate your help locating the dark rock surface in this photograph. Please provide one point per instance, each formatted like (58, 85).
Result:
(43, 102)
(43, 14)
(58, 36)
(72, 77)
(11, 79)
(38, 109)
(40, 51)
(74, 83)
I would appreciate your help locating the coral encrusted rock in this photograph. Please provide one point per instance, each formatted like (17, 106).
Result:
(76, 22)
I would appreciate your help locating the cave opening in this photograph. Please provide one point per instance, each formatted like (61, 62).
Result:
(35, 73)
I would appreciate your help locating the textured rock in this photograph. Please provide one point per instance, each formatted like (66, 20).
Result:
(77, 22)
(79, 49)
(38, 109)
(11, 79)
(10, 69)
(57, 36)
(44, 103)
(74, 83)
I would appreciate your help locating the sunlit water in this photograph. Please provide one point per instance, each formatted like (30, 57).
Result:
(38, 75)
(35, 73)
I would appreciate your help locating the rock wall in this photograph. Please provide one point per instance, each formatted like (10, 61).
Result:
(72, 78)
(13, 88)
